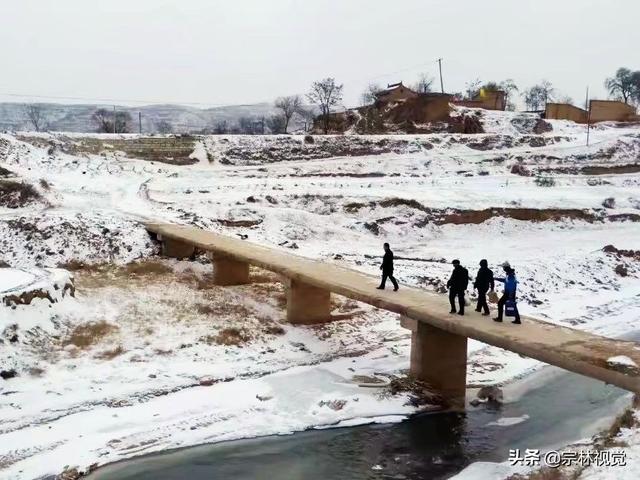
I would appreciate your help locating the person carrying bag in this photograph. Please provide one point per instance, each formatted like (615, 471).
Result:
(507, 302)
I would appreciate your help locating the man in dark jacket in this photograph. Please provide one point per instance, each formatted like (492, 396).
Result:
(387, 269)
(484, 282)
(457, 285)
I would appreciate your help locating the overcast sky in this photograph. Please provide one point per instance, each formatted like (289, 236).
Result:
(246, 51)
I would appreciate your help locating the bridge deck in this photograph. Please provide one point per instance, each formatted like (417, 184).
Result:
(565, 347)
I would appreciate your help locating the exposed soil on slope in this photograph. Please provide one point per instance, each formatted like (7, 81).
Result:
(497, 142)
(464, 217)
(172, 150)
(259, 150)
(595, 169)
(461, 217)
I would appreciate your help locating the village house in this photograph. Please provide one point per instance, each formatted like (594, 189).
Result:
(565, 111)
(612, 111)
(599, 111)
(395, 92)
(487, 99)
(396, 108)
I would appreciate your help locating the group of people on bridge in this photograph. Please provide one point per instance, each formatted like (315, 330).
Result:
(459, 282)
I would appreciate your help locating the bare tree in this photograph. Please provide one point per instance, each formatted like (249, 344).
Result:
(35, 115)
(533, 98)
(123, 122)
(103, 120)
(325, 94)
(277, 124)
(472, 88)
(424, 84)
(164, 127)
(370, 94)
(490, 86)
(308, 115)
(221, 127)
(635, 79)
(246, 125)
(509, 87)
(622, 84)
(564, 98)
(539, 95)
(547, 90)
(289, 106)
(260, 125)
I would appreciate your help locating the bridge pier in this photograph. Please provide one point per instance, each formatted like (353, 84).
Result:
(440, 359)
(307, 304)
(176, 248)
(227, 271)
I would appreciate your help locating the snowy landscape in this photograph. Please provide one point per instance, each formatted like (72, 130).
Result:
(109, 351)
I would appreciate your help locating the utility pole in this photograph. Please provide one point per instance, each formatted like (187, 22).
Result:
(140, 123)
(114, 119)
(588, 117)
(586, 102)
(440, 67)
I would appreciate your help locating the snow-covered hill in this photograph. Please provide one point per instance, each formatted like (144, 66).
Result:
(183, 119)
(150, 355)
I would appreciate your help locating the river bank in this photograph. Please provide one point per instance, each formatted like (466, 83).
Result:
(547, 410)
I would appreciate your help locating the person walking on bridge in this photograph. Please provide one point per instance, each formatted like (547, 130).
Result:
(508, 298)
(484, 282)
(457, 285)
(387, 269)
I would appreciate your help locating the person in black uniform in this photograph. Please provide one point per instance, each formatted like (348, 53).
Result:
(457, 285)
(484, 282)
(387, 269)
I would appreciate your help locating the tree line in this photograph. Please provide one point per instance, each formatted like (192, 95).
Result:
(326, 94)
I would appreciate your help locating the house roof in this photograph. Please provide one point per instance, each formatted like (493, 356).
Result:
(391, 87)
(436, 94)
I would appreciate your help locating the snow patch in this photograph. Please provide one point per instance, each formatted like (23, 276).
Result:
(508, 421)
(622, 360)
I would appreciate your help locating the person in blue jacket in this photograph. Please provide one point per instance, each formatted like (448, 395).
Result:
(510, 287)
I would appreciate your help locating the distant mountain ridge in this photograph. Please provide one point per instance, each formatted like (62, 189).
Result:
(183, 119)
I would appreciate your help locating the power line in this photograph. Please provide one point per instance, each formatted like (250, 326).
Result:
(147, 102)
(156, 102)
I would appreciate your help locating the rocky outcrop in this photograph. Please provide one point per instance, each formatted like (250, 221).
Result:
(22, 287)
(488, 394)
(635, 254)
(542, 126)
(466, 124)
(25, 298)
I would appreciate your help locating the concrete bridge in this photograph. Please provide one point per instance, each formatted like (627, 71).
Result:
(438, 340)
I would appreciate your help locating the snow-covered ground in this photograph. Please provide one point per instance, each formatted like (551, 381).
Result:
(150, 355)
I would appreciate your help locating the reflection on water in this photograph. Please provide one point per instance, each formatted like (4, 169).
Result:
(563, 409)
